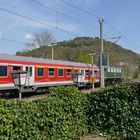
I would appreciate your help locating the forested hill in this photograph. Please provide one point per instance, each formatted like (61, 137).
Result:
(79, 49)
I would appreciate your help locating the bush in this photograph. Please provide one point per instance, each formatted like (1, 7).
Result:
(60, 116)
(68, 114)
(115, 111)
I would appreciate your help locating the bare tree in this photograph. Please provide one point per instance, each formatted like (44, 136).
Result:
(41, 39)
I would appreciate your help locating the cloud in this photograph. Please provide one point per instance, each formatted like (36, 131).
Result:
(29, 36)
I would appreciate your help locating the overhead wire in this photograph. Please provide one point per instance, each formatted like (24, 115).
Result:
(63, 30)
(87, 48)
(93, 15)
(84, 11)
(35, 21)
(12, 29)
(12, 40)
(123, 36)
(39, 22)
(67, 16)
(96, 16)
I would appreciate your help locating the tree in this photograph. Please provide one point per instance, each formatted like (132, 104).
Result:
(41, 39)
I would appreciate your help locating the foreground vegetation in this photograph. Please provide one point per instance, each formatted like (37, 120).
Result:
(69, 114)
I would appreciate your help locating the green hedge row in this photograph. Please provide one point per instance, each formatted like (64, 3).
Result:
(68, 114)
(60, 116)
(115, 111)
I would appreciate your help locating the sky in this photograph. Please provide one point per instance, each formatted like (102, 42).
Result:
(64, 20)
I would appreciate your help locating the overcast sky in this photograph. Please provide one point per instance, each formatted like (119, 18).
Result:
(121, 19)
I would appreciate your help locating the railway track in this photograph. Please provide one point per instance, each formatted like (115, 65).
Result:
(38, 96)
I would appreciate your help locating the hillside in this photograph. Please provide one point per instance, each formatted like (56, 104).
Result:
(77, 50)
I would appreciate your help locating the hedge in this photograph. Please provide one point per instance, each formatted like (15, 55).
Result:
(67, 114)
(60, 116)
(115, 111)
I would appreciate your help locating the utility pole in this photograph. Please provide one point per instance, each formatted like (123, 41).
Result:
(101, 55)
(52, 47)
(52, 52)
(92, 74)
(92, 55)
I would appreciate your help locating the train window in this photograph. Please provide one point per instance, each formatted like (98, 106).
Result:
(3, 71)
(51, 72)
(29, 70)
(90, 72)
(40, 71)
(16, 68)
(76, 71)
(60, 72)
(119, 70)
(87, 72)
(108, 69)
(95, 73)
(68, 72)
(82, 72)
(111, 69)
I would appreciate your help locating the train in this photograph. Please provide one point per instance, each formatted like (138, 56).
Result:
(113, 74)
(44, 73)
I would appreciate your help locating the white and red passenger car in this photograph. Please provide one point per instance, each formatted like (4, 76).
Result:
(43, 73)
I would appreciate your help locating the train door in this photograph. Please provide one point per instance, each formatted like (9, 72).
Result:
(17, 68)
(81, 77)
(30, 75)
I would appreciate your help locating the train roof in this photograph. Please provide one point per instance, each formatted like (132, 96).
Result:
(43, 60)
(115, 67)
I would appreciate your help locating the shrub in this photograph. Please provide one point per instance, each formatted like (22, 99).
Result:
(69, 105)
(61, 116)
(68, 114)
(115, 111)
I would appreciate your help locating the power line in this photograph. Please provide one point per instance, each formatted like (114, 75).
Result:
(116, 39)
(93, 15)
(12, 29)
(56, 27)
(31, 19)
(68, 3)
(67, 16)
(36, 21)
(121, 34)
(87, 48)
(12, 40)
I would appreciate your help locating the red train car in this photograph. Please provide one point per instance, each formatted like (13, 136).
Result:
(43, 73)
